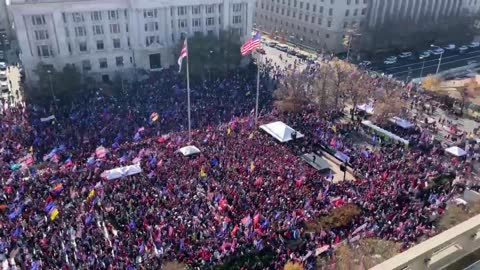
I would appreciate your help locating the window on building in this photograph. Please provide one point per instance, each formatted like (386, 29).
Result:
(319, 21)
(115, 28)
(237, 7)
(330, 11)
(313, 19)
(97, 29)
(355, 12)
(64, 17)
(314, 8)
(345, 24)
(77, 17)
(82, 46)
(151, 13)
(119, 61)
(327, 36)
(182, 23)
(196, 10)
(210, 21)
(150, 40)
(347, 12)
(128, 42)
(349, 2)
(182, 11)
(329, 24)
(151, 26)
(38, 19)
(41, 34)
(237, 19)
(126, 27)
(69, 48)
(294, 14)
(365, 1)
(357, 1)
(306, 18)
(113, 14)
(320, 10)
(288, 12)
(307, 6)
(219, 20)
(364, 10)
(96, 15)
(332, 2)
(80, 31)
(103, 62)
(301, 4)
(210, 9)
(86, 65)
(196, 22)
(100, 45)
(67, 33)
(116, 43)
(44, 51)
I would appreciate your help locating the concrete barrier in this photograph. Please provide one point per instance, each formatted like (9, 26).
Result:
(440, 251)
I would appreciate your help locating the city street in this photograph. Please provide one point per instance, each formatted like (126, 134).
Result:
(404, 69)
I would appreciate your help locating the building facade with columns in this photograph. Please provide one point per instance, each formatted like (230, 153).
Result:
(323, 24)
(105, 37)
(320, 24)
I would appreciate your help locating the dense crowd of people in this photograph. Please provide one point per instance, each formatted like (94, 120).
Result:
(243, 193)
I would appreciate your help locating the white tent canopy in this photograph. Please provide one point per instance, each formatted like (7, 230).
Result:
(122, 171)
(401, 122)
(189, 150)
(456, 151)
(280, 131)
(368, 108)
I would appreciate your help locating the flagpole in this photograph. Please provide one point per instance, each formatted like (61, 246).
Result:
(258, 87)
(188, 98)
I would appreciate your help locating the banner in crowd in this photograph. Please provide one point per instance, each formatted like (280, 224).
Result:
(46, 119)
(122, 171)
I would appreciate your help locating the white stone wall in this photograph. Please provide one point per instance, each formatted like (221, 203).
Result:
(165, 16)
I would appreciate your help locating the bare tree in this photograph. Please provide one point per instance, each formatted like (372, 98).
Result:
(342, 72)
(292, 93)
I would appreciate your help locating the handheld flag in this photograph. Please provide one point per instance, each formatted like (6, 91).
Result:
(183, 54)
(153, 117)
(251, 44)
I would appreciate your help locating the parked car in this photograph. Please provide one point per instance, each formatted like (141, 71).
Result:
(438, 51)
(405, 54)
(302, 56)
(394, 58)
(3, 74)
(272, 43)
(3, 66)
(474, 44)
(3, 84)
(424, 55)
(390, 61)
(450, 47)
(365, 63)
(282, 47)
(471, 62)
(463, 48)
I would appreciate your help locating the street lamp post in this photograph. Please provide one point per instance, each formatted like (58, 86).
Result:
(51, 87)
(439, 59)
(421, 70)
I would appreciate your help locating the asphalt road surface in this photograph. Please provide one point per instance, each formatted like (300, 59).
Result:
(409, 69)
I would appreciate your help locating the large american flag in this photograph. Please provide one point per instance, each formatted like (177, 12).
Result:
(251, 45)
(183, 54)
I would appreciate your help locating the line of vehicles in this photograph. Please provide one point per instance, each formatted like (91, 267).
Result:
(3, 77)
(287, 49)
(434, 50)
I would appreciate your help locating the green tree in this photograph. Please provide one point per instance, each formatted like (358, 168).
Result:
(211, 54)
(64, 85)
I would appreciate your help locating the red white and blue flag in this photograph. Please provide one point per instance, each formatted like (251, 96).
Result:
(183, 54)
(251, 45)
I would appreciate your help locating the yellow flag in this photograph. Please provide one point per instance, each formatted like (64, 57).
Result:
(202, 172)
(91, 194)
(30, 149)
(334, 128)
(250, 136)
(54, 214)
(229, 131)
(252, 166)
